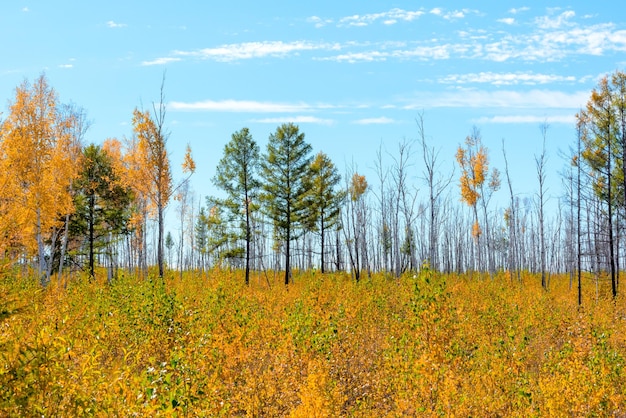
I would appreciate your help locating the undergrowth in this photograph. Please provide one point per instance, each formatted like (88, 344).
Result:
(425, 344)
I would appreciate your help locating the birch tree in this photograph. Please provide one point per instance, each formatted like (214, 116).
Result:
(38, 156)
(476, 187)
(152, 135)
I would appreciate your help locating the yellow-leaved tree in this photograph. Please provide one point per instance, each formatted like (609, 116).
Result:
(356, 224)
(475, 189)
(149, 169)
(38, 151)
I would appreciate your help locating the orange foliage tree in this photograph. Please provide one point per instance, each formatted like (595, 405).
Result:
(356, 223)
(149, 167)
(38, 155)
(474, 165)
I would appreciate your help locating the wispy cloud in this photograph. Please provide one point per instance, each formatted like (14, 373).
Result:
(318, 21)
(553, 119)
(25, 9)
(161, 61)
(353, 57)
(556, 22)
(554, 37)
(519, 10)
(388, 18)
(533, 99)
(244, 106)
(502, 79)
(66, 66)
(383, 120)
(295, 119)
(507, 20)
(450, 15)
(248, 50)
(113, 25)
(422, 52)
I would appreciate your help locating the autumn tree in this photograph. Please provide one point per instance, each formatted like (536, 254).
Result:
(137, 176)
(476, 187)
(76, 131)
(283, 170)
(323, 201)
(237, 176)
(38, 155)
(153, 160)
(355, 223)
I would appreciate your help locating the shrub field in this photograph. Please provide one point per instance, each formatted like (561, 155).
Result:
(207, 345)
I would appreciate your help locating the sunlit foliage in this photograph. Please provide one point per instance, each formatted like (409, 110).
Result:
(207, 345)
(38, 156)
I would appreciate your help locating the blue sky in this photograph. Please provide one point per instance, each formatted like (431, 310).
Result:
(352, 74)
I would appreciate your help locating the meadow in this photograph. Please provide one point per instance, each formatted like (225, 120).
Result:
(425, 344)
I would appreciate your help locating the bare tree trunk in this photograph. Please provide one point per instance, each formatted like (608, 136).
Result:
(63, 246)
(41, 252)
(541, 176)
(512, 221)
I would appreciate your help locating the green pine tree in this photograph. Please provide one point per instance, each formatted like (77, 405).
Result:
(323, 201)
(102, 203)
(236, 175)
(283, 170)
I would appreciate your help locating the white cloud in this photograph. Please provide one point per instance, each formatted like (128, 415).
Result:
(318, 21)
(457, 14)
(566, 119)
(519, 10)
(248, 50)
(243, 106)
(388, 18)
(500, 79)
(451, 15)
(548, 22)
(549, 44)
(66, 66)
(113, 24)
(353, 57)
(507, 20)
(25, 9)
(422, 52)
(436, 52)
(551, 38)
(533, 99)
(374, 121)
(295, 119)
(161, 61)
